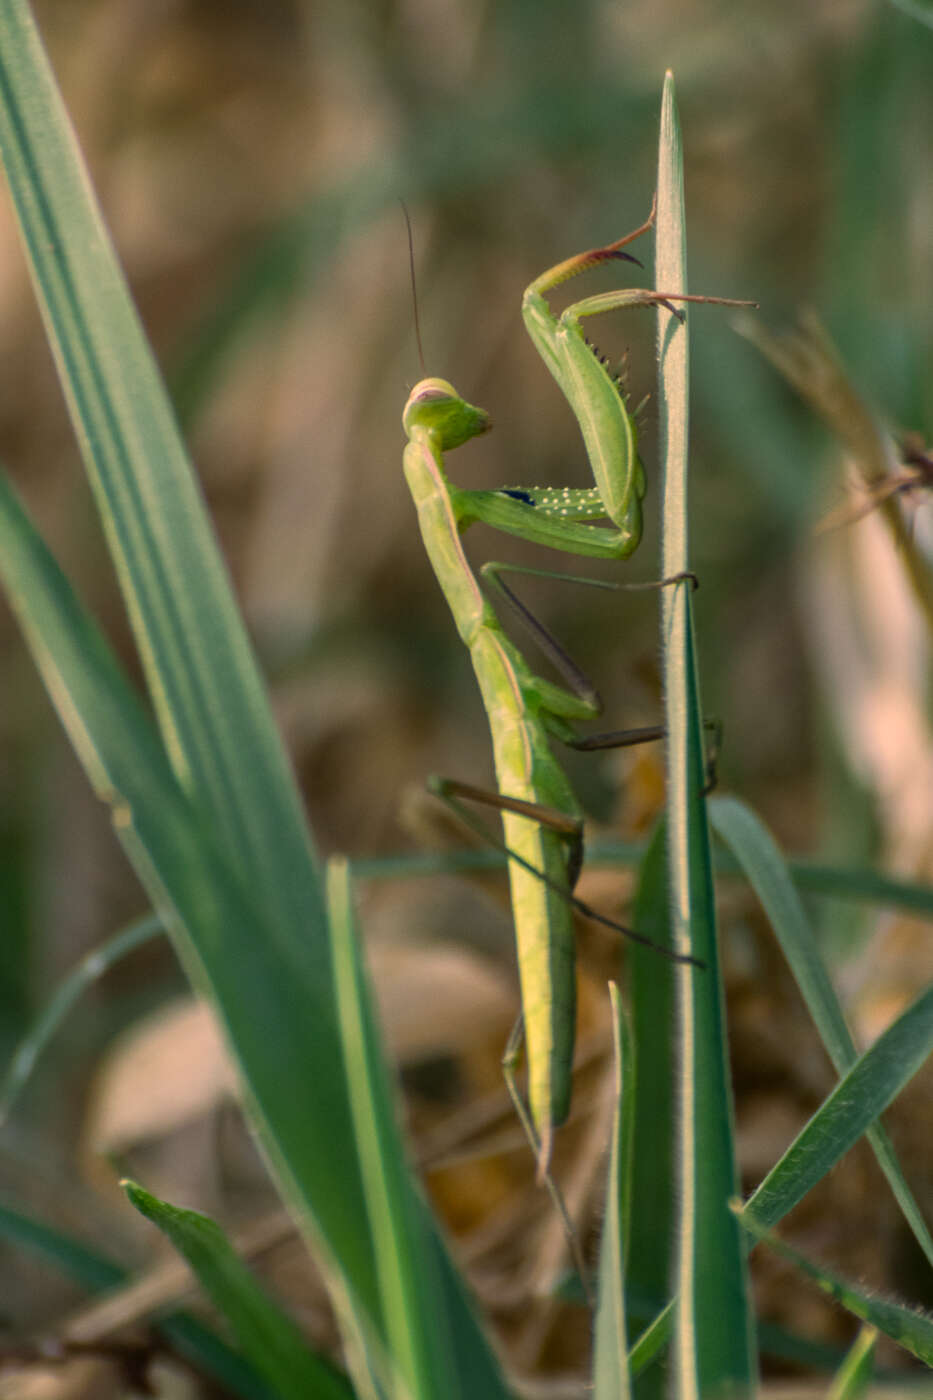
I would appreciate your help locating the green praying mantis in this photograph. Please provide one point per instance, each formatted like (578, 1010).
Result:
(542, 822)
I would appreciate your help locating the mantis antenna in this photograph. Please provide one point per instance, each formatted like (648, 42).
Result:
(414, 286)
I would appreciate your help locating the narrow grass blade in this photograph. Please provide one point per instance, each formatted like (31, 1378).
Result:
(209, 700)
(221, 745)
(72, 1258)
(854, 1375)
(651, 979)
(269, 1339)
(611, 1376)
(91, 966)
(910, 896)
(714, 1326)
(417, 1327)
(874, 1080)
(652, 1226)
(654, 1339)
(277, 1013)
(185, 1334)
(764, 867)
(226, 941)
(911, 1329)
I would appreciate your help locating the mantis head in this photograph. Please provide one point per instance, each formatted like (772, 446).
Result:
(435, 405)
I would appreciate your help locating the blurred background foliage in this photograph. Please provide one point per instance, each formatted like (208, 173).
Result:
(250, 157)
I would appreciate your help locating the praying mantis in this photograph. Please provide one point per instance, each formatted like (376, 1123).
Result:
(542, 821)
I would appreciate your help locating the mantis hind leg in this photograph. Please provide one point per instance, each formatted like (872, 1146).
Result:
(453, 793)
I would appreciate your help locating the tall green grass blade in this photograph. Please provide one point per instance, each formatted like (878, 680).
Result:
(854, 1375)
(91, 966)
(227, 942)
(874, 1080)
(714, 1326)
(219, 737)
(762, 862)
(651, 1224)
(205, 687)
(269, 1339)
(416, 1324)
(907, 1326)
(611, 1375)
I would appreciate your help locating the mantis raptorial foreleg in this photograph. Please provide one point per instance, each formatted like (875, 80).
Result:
(525, 711)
